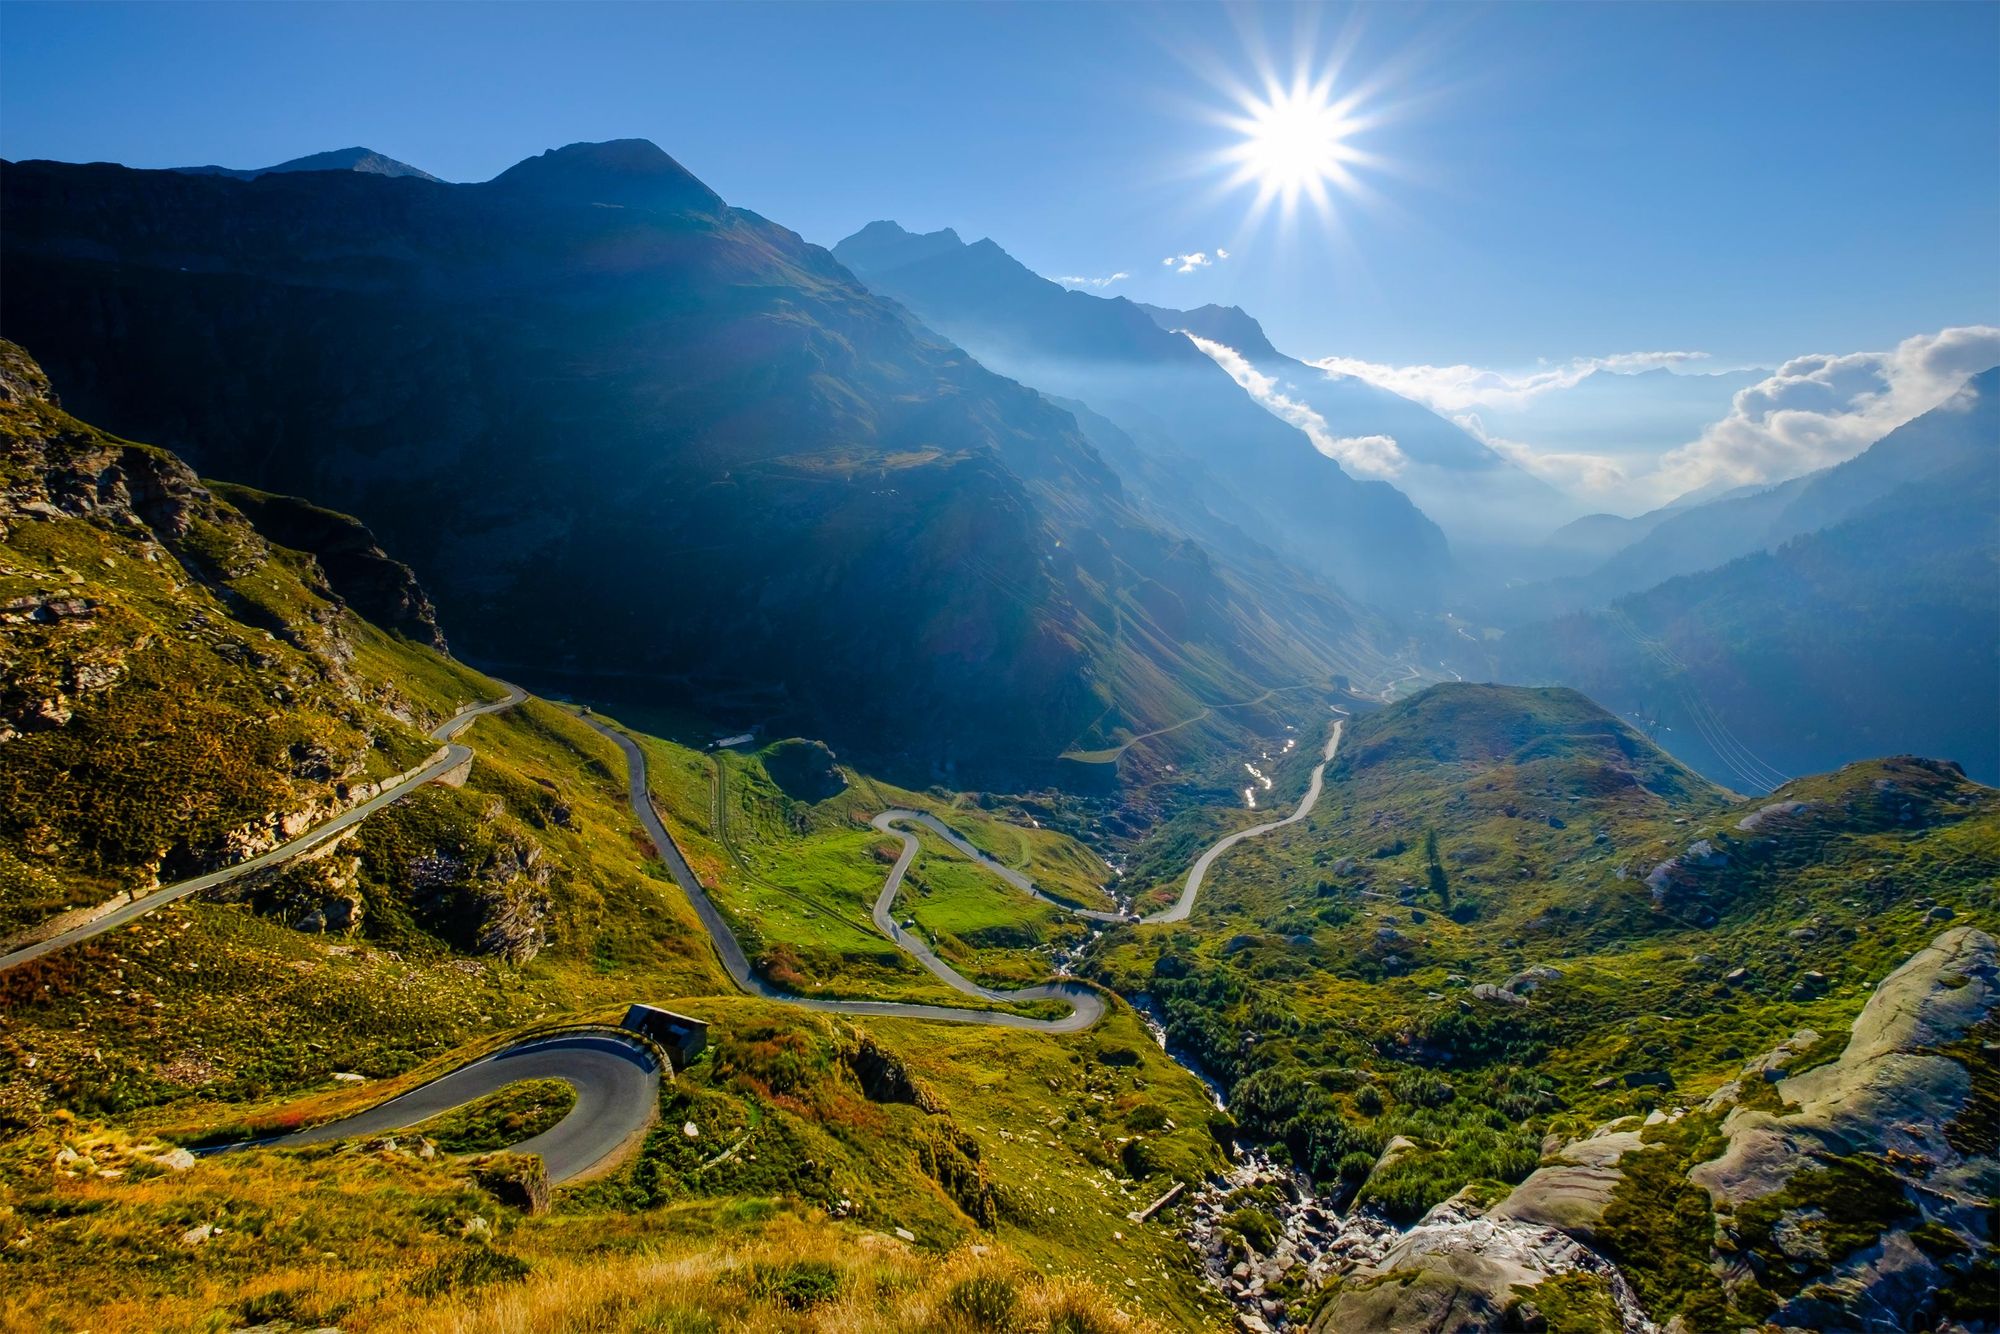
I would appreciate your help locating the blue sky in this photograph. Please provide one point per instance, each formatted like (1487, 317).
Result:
(1750, 181)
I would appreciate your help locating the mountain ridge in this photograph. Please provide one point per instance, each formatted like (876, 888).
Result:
(1261, 474)
(636, 388)
(339, 159)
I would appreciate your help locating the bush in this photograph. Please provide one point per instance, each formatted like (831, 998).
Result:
(1139, 1159)
(1259, 1230)
(798, 1285)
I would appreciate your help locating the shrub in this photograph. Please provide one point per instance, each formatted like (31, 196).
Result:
(797, 1285)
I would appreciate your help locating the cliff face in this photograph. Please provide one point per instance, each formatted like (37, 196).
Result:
(377, 585)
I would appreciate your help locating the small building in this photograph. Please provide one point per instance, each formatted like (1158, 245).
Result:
(682, 1036)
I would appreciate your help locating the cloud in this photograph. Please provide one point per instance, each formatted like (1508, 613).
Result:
(1071, 281)
(1375, 455)
(1194, 260)
(1819, 410)
(1451, 389)
(1595, 477)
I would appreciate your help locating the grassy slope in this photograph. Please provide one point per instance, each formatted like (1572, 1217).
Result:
(1333, 999)
(798, 880)
(128, 1029)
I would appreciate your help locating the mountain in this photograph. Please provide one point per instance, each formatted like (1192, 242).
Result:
(1250, 470)
(339, 159)
(1870, 636)
(1584, 544)
(651, 443)
(1684, 538)
(1478, 497)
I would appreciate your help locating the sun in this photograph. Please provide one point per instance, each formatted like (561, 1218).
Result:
(1295, 143)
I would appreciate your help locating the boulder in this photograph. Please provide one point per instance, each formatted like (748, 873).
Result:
(1571, 1192)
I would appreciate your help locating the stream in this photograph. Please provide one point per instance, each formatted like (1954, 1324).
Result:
(1308, 1233)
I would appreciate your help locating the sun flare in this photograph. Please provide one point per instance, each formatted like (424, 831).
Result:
(1295, 143)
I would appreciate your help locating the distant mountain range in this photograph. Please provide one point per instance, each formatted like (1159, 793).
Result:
(1847, 613)
(1695, 534)
(1478, 497)
(631, 435)
(340, 159)
(1218, 458)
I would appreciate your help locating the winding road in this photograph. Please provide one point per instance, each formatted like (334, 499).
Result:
(617, 1083)
(1196, 874)
(617, 1077)
(1086, 1005)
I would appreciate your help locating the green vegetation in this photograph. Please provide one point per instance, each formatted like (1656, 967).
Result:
(798, 880)
(1323, 982)
(1572, 1304)
(1660, 1227)
(515, 1113)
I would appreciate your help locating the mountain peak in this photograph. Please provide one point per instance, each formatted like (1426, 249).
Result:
(1232, 326)
(633, 173)
(364, 160)
(884, 245)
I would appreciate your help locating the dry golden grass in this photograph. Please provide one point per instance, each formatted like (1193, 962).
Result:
(370, 1239)
(793, 1275)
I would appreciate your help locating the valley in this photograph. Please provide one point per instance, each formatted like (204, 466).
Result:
(573, 758)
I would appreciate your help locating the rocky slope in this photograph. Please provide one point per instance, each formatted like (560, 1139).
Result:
(1852, 1195)
(180, 691)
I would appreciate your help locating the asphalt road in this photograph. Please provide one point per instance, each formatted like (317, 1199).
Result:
(1185, 903)
(617, 1083)
(454, 755)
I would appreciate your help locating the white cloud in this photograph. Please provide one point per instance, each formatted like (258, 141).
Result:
(1195, 260)
(1072, 281)
(1596, 477)
(1451, 389)
(1376, 455)
(1820, 410)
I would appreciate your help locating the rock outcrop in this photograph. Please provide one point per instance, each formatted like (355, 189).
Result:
(381, 588)
(1867, 1194)
(1853, 1195)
